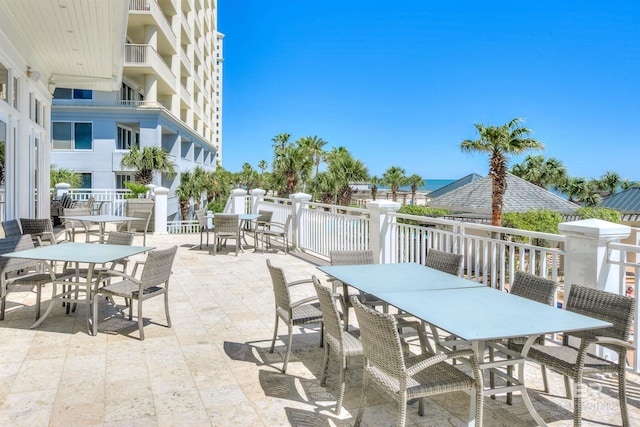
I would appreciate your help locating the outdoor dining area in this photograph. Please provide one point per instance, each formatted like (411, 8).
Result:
(269, 337)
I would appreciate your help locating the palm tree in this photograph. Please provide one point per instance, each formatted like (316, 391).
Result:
(609, 183)
(345, 171)
(576, 189)
(500, 142)
(374, 180)
(394, 177)
(247, 175)
(147, 162)
(314, 145)
(185, 192)
(324, 187)
(280, 141)
(415, 181)
(262, 165)
(289, 167)
(69, 176)
(544, 173)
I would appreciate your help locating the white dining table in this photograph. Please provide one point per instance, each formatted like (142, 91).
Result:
(76, 253)
(476, 315)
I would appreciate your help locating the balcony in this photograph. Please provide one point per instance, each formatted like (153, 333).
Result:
(141, 59)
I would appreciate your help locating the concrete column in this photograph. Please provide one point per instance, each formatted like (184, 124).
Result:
(586, 253)
(298, 201)
(381, 239)
(238, 199)
(257, 196)
(160, 210)
(150, 88)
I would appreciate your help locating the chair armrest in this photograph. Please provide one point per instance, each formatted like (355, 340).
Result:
(299, 282)
(303, 301)
(606, 340)
(274, 224)
(135, 267)
(424, 364)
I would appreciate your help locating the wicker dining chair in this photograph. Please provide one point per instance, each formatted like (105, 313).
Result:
(75, 226)
(576, 362)
(11, 228)
(21, 272)
(336, 338)
(260, 225)
(292, 313)
(415, 378)
(276, 230)
(444, 261)
(226, 226)
(202, 225)
(153, 281)
(40, 230)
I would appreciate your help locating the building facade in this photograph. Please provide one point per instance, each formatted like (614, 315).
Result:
(44, 45)
(170, 97)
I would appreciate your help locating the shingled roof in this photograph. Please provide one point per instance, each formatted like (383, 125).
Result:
(627, 201)
(521, 196)
(455, 184)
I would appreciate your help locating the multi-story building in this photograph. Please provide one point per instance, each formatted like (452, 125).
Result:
(44, 45)
(170, 97)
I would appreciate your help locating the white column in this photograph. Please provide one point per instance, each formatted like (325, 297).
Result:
(381, 239)
(257, 196)
(160, 210)
(586, 253)
(298, 201)
(238, 196)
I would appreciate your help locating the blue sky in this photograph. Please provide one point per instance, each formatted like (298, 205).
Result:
(402, 83)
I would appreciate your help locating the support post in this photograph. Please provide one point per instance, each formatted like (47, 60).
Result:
(381, 238)
(160, 210)
(298, 201)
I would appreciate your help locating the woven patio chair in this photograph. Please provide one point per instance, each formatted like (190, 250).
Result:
(139, 226)
(444, 261)
(535, 288)
(153, 281)
(336, 338)
(276, 230)
(201, 216)
(415, 378)
(261, 224)
(11, 228)
(41, 230)
(21, 272)
(226, 226)
(292, 313)
(576, 362)
(75, 226)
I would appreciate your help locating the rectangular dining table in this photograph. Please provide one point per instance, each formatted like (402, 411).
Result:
(77, 253)
(476, 315)
(101, 220)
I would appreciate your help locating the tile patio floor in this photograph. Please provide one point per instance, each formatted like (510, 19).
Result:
(213, 366)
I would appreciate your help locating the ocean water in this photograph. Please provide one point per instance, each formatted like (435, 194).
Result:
(430, 185)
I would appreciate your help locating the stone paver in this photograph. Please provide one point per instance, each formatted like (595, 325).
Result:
(213, 366)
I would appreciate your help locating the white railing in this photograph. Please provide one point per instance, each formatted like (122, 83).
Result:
(183, 227)
(110, 201)
(627, 258)
(492, 255)
(324, 228)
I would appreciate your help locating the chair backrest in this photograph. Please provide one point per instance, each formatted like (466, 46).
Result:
(201, 217)
(36, 225)
(226, 223)
(75, 212)
(351, 257)
(120, 238)
(280, 290)
(263, 217)
(535, 288)
(66, 201)
(157, 267)
(380, 340)
(330, 314)
(140, 225)
(14, 244)
(444, 261)
(603, 305)
(11, 228)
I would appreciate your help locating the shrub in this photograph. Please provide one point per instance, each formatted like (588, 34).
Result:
(541, 220)
(217, 205)
(604, 214)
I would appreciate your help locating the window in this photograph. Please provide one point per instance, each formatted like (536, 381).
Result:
(72, 136)
(127, 138)
(122, 178)
(4, 83)
(64, 93)
(86, 180)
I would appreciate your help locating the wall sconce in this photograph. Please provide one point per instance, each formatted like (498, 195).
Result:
(35, 75)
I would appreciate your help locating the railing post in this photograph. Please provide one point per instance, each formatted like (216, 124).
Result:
(237, 204)
(257, 196)
(160, 210)
(62, 188)
(586, 253)
(586, 260)
(298, 201)
(381, 238)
